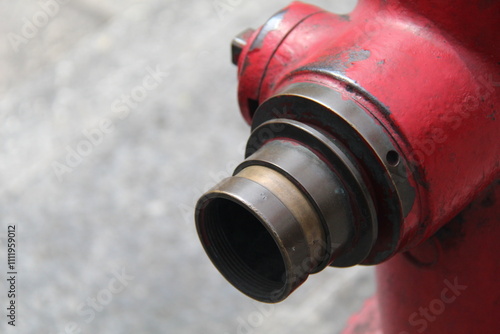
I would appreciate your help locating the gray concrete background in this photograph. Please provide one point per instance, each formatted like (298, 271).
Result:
(125, 205)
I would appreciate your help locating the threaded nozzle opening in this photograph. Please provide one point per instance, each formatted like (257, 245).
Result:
(242, 249)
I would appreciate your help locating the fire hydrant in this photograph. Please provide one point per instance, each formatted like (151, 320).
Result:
(374, 141)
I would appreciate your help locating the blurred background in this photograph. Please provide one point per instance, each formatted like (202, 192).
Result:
(115, 116)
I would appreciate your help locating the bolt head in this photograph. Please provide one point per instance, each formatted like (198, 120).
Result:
(238, 43)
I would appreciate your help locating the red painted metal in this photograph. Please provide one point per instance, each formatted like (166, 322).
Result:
(429, 73)
(449, 284)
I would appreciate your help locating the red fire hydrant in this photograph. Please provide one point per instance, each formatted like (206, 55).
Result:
(374, 140)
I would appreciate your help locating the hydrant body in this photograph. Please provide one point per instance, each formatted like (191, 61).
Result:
(446, 285)
(396, 105)
(428, 72)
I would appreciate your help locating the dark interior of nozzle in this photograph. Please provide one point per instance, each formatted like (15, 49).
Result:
(242, 248)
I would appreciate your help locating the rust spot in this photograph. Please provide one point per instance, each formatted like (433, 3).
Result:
(345, 18)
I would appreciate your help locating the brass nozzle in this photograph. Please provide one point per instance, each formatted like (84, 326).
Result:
(284, 214)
